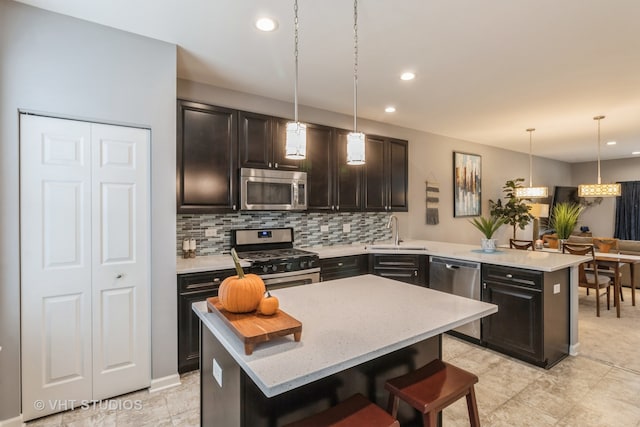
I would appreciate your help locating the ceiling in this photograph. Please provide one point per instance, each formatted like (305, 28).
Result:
(485, 70)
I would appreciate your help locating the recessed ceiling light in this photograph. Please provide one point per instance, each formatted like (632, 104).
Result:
(635, 153)
(390, 109)
(266, 24)
(611, 143)
(407, 76)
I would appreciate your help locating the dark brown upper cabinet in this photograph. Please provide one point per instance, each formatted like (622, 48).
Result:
(261, 142)
(206, 146)
(348, 178)
(319, 167)
(386, 174)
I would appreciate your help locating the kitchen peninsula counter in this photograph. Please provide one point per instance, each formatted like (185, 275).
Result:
(532, 260)
(346, 323)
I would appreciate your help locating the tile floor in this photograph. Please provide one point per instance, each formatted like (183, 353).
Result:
(599, 388)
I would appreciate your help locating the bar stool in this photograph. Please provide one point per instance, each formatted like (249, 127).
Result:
(356, 411)
(432, 388)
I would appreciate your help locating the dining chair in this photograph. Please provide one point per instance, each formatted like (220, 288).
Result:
(521, 244)
(606, 245)
(591, 279)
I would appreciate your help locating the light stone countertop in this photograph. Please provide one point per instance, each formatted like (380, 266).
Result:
(345, 322)
(533, 260)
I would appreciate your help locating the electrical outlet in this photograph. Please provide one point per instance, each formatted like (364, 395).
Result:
(217, 372)
(556, 288)
(210, 232)
(324, 228)
(346, 228)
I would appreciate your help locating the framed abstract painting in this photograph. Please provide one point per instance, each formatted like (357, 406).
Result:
(467, 184)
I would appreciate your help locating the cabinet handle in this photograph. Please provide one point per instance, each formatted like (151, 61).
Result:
(337, 207)
(415, 273)
(276, 165)
(340, 264)
(484, 286)
(120, 276)
(269, 164)
(509, 276)
(216, 280)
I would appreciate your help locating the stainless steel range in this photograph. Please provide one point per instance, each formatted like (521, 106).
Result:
(273, 257)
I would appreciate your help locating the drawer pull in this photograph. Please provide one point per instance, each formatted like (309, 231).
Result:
(340, 264)
(509, 276)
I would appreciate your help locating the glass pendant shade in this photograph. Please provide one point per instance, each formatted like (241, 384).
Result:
(355, 148)
(296, 144)
(531, 192)
(599, 189)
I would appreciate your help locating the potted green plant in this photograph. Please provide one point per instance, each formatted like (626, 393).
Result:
(514, 211)
(488, 226)
(564, 218)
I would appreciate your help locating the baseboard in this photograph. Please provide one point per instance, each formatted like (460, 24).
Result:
(164, 383)
(12, 422)
(574, 349)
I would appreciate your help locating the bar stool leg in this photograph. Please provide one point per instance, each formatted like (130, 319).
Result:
(392, 406)
(430, 419)
(472, 407)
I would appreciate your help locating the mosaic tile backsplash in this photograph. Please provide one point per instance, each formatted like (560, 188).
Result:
(365, 228)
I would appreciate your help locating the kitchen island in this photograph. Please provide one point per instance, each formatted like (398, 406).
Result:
(356, 333)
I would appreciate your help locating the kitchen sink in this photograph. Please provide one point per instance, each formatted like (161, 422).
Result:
(392, 247)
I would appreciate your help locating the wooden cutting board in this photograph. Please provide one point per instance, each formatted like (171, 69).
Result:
(254, 328)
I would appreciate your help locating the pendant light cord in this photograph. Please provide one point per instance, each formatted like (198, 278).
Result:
(598, 118)
(530, 130)
(355, 64)
(295, 54)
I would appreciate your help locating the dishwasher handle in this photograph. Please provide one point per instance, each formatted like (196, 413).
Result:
(454, 264)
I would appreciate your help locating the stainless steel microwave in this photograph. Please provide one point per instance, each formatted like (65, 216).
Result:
(269, 189)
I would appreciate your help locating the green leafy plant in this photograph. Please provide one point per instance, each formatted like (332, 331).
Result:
(487, 226)
(564, 218)
(514, 211)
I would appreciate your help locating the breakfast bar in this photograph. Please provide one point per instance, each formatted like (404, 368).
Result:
(356, 333)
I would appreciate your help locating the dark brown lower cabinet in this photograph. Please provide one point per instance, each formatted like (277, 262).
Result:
(194, 287)
(341, 267)
(406, 268)
(532, 322)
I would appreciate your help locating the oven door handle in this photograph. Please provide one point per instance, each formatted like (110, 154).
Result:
(281, 282)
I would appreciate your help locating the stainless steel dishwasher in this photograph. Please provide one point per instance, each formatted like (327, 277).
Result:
(458, 278)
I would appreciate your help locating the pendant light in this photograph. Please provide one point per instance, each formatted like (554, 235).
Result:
(599, 189)
(355, 139)
(296, 142)
(531, 192)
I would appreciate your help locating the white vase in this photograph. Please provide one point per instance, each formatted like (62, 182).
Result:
(488, 245)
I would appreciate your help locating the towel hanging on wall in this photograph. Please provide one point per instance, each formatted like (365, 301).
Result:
(433, 200)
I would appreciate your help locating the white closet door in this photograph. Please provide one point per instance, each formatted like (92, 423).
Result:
(84, 247)
(120, 267)
(55, 256)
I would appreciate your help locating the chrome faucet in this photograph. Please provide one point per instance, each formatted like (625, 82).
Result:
(395, 231)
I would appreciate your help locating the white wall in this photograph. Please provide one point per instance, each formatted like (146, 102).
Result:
(601, 218)
(68, 67)
(430, 157)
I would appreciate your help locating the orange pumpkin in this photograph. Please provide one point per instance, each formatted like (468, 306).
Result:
(241, 293)
(268, 305)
